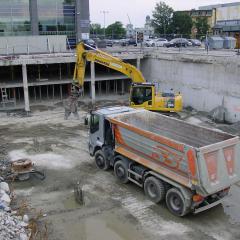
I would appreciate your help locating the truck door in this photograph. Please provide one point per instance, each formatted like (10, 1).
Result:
(95, 133)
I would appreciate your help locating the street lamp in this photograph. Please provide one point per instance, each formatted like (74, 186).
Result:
(104, 21)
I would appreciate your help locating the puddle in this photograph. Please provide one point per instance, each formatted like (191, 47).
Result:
(70, 203)
(107, 227)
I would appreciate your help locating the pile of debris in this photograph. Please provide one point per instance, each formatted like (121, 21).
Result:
(21, 170)
(11, 225)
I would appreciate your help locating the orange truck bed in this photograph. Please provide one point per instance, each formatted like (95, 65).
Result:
(199, 158)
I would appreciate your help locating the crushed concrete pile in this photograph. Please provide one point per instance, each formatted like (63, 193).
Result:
(11, 226)
(5, 167)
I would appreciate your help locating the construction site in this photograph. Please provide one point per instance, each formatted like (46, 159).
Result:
(118, 143)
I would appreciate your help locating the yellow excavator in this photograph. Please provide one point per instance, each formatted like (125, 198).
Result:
(142, 93)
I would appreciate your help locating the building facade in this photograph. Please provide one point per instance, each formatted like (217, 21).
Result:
(147, 30)
(45, 17)
(226, 18)
(200, 14)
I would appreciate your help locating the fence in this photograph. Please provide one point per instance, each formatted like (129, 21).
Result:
(33, 44)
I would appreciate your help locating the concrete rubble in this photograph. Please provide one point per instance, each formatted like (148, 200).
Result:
(11, 225)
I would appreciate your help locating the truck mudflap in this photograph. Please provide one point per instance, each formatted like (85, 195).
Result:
(208, 206)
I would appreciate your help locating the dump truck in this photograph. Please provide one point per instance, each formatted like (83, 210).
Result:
(190, 167)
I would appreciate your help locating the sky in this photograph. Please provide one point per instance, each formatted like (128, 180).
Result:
(138, 9)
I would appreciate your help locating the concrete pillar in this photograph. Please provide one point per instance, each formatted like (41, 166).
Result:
(47, 93)
(35, 94)
(138, 63)
(61, 92)
(93, 94)
(82, 19)
(53, 92)
(122, 83)
(19, 95)
(33, 10)
(25, 87)
(40, 93)
(60, 71)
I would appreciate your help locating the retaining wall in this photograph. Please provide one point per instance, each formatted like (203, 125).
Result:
(206, 82)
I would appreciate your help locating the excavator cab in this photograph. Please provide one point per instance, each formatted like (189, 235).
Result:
(142, 95)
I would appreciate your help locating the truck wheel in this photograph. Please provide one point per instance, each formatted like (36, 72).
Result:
(154, 189)
(176, 202)
(121, 171)
(101, 161)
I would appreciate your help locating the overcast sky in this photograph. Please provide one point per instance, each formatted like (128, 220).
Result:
(138, 9)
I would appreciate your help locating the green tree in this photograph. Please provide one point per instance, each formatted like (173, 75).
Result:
(162, 16)
(115, 30)
(96, 29)
(202, 25)
(181, 23)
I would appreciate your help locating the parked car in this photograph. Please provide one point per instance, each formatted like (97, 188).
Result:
(109, 43)
(90, 43)
(195, 42)
(123, 42)
(132, 42)
(149, 43)
(160, 42)
(178, 42)
(128, 42)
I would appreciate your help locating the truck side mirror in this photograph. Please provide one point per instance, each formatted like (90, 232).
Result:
(86, 122)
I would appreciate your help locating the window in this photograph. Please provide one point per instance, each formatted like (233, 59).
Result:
(141, 95)
(94, 126)
(57, 17)
(14, 17)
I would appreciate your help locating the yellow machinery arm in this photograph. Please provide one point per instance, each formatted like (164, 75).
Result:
(142, 94)
(104, 59)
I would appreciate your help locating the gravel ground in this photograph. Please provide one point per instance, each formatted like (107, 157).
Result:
(111, 211)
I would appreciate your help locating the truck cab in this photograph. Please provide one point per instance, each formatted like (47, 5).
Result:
(101, 133)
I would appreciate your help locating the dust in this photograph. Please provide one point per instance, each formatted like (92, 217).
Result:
(47, 160)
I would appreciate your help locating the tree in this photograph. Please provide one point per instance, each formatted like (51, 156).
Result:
(162, 15)
(181, 23)
(202, 25)
(116, 30)
(95, 29)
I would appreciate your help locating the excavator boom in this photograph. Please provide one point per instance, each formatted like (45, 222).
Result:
(142, 94)
(105, 59)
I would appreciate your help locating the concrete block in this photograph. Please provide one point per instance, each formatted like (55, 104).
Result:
(5, 187)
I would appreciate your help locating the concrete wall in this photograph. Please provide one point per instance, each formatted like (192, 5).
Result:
(206, 82)
(32, 44)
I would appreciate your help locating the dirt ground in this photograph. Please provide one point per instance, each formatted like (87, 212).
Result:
(111, 210)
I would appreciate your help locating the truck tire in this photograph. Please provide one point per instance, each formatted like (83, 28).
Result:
(121, 171)
(176, 202)
(154, 189)
(101, 160)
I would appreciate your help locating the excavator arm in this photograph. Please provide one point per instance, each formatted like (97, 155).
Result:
(102, 58)
(141, 95)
